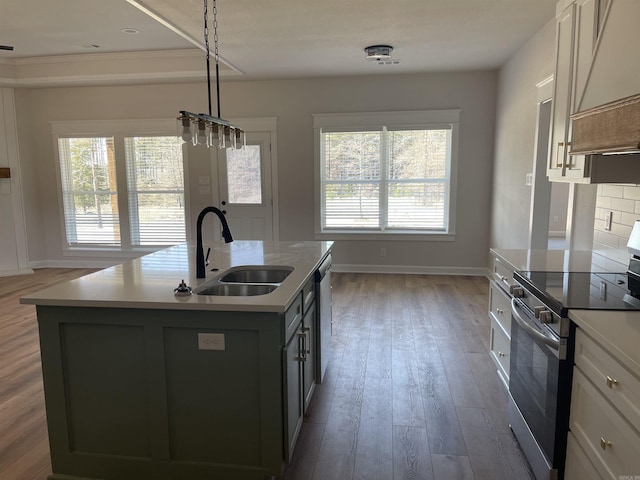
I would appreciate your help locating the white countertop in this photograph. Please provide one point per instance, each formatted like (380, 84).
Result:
(559, 260)
(618, 332)
(149, 281)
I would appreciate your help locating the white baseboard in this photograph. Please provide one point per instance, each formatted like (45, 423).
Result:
(19, 271)
(407, 269)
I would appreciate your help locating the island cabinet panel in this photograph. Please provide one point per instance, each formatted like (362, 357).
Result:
(213, 415)
(108, 390)
(132, 395)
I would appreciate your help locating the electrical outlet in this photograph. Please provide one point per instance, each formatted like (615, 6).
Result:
(383, 252)
(211, 341)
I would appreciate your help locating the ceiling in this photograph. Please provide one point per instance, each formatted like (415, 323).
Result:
(282, 38)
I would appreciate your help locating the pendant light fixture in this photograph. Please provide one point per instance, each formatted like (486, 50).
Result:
(202, 128)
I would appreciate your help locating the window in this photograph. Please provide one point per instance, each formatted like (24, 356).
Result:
(386, 173)
(156, 190)
(120, 191)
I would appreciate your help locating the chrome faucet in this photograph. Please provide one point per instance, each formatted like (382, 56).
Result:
(226, 233)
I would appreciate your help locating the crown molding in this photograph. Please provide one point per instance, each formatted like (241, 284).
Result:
(121, 68)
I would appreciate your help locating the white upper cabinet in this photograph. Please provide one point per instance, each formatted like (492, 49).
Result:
(595, 63)
(576, 34)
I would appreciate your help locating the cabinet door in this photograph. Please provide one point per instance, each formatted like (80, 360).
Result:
(578, 465)
(293, 391)
(309, 346)
(612, 445)
(562, 92)
(500, 349)
(586, 31)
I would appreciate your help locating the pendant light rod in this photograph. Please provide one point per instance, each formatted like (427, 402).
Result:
(206, 44)
(215, 53)
(202, 128)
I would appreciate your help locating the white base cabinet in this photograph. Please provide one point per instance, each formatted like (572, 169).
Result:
(500, 316)
(605, 425)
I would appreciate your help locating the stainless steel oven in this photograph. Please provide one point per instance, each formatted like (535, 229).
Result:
(540, 382)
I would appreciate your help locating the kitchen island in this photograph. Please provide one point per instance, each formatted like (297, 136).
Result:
(143, 384)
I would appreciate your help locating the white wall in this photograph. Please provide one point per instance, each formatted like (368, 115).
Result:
(515, 137)
(292, 102)
(13, 250)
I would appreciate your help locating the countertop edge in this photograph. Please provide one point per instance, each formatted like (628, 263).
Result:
(118, 287)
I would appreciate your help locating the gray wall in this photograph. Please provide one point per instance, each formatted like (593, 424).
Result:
(293, 102)
(515, 137)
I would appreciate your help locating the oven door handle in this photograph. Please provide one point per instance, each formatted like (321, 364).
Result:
(529, 329)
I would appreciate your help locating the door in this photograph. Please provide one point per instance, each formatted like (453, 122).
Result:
(245, 186)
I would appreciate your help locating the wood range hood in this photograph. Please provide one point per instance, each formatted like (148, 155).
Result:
(612, 128)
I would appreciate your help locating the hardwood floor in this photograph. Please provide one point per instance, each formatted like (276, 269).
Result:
(24, 447)
(410, 390)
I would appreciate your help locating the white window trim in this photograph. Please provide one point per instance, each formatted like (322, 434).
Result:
(392, 120)
(117, 129)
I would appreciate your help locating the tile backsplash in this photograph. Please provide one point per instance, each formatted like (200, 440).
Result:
(622, 203)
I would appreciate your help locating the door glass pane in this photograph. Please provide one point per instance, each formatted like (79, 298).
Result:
(88, 171)
(244, 175)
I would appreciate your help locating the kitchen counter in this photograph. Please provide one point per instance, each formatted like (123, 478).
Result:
(559, 260)
(618, 332)
(149, 281)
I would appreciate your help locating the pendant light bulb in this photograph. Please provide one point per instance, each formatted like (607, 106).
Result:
(240, 138)
(220, 129)
(202, 133)
(186, 129)
(227, 136)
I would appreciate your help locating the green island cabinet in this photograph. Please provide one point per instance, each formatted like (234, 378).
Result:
(132, 395)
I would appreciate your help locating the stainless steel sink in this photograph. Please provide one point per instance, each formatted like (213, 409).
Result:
(236, 289)
(256, 274)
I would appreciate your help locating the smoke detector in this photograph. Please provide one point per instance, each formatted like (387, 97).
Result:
(378, 53)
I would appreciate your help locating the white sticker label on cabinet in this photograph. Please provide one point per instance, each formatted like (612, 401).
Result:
(211, 341)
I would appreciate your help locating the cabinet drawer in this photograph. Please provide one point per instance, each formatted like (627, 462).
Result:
(293, 317)
(502, 274)
(607, 439)
(500, 346)
(500, 307)
(578, 466)
(614, 381)
(308, 294)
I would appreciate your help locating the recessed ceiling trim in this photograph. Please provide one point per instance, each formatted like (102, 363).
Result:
(178, 31)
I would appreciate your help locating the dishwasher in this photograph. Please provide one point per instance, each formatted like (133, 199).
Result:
(323, 314)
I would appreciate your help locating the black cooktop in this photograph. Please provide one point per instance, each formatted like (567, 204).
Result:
(583, 290)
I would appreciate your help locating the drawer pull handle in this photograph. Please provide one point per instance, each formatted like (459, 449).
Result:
(500, 354)
(611, 382)
(604, 443)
